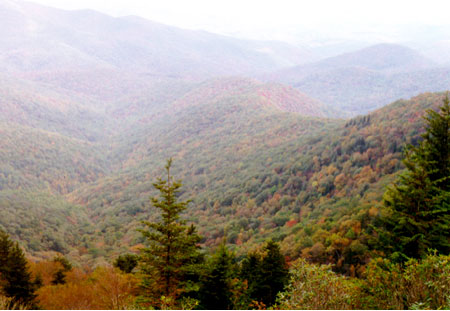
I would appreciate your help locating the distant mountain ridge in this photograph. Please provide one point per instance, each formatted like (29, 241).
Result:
(361, 81)
(277, 96)
(89, 39)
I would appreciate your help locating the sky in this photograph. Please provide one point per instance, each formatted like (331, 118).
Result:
(253, 18)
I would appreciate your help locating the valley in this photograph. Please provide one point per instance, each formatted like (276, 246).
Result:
(270, 141)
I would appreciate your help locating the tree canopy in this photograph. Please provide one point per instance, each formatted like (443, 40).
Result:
(169, 262)
(418, 203)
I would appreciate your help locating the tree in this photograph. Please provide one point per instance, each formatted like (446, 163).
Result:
(60, 275)
(15, 278)
(169, 264)
(275, 273)
(217, 286)
(126, 263)
(418, 203)
(266, 275)
(251, 273)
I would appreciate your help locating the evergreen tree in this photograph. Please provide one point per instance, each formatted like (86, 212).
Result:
(170, 262)
(251, 273)
(216, 291)
(15, 278)
(126, 263)
(419, 201)
(274, 273)
(435, 148)
(60, 275)
(266, 275)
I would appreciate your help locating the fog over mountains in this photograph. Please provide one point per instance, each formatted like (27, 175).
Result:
(91, 106)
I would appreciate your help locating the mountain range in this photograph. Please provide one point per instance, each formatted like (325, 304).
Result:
(361, 81)
(91, 106)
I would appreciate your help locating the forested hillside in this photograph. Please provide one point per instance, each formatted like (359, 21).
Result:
(148, 166)
(319, 203)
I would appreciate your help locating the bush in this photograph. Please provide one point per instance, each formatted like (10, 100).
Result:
(315, 287)
(418, 285)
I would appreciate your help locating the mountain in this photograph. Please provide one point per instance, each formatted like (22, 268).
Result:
(255, 175)
(387, 58)
(215, 133)
(380, 57)
(88, 40)
(39, 106)
(367, 79)
(87, 125)
(71, 151)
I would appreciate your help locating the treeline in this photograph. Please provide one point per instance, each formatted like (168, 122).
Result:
(408, 268)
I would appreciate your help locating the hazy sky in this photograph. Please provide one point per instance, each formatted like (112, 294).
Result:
(253, 16)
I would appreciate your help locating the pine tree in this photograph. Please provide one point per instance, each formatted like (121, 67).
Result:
(274, 273)
(251, 273)
(126, 262)
(169, 265)
(418, 203)
(266, 275)
(60, 275)
(216, 291)
(15, 278)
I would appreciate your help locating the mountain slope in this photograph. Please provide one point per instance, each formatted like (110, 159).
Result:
(304, 182)
(367, 79)
(33, 159)
(40, 106)
(214, 134)
(90, 40)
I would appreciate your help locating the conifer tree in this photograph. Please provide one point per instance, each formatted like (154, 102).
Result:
(15, 278)
(419, 201)
(266, 275)
(126, 262)
(251, 273)
(274, 273)
(169, 264)
(216, 291)
(60, 275)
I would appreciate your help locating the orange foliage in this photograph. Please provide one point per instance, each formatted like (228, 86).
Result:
(292, 222)
(46, 270)
(105, 288)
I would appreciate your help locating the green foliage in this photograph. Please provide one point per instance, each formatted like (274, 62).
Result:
(15, 279)
(419, 284)
(218, 283)
(168, 264)
(250, 272)
(266, 274)
(274, 273)
(316, 287)
(419, 202)
(126, 262)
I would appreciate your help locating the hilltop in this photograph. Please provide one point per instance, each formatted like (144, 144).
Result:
(361, 81)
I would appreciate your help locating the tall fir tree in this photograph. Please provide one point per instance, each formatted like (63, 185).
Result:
(275, 273)
(15, 278)
(170, 262)
(266, 275)
(217, 285)
(418, 203)
(250, 272)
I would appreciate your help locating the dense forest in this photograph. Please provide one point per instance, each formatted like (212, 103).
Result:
(394, 255)
(145, 166)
